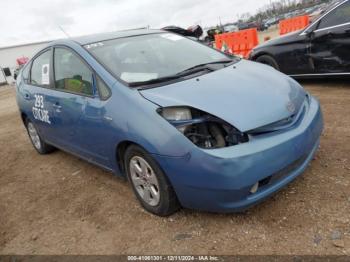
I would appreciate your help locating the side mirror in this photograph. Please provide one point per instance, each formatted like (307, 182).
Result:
(309, 31)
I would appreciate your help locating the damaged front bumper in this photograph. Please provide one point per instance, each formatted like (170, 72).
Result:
(221, 180)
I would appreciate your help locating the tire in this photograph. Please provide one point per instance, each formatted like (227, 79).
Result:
(268, 60)
(149, 183)
(38, 143)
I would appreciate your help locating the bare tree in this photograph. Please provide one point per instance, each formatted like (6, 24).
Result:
(277, 8)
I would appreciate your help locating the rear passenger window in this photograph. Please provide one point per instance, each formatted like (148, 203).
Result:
(71, 74)
(40, 73)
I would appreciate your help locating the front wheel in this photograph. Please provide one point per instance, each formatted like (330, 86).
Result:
(40, 146)
(268, 60)
(149, 182)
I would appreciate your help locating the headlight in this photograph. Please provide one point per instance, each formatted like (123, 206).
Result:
(177, 114)
(203, 129)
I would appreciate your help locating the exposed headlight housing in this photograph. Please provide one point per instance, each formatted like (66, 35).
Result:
(204, 130)
(177, 114)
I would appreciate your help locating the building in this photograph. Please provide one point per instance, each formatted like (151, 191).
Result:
(8, 55)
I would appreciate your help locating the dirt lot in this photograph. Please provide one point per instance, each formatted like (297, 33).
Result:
(58, 204)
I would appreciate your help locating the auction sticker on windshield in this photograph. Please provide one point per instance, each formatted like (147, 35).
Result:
(172, 37)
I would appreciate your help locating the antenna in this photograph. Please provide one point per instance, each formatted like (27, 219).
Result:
(67, 35)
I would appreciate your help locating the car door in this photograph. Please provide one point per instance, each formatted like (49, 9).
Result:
(35, 92)
(79, 114)
(293, 56)
(331, 42)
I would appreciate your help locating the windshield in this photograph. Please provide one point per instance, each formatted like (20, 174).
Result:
(152, 56)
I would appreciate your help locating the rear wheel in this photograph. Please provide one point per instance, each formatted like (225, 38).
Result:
(40, 146)
(149, 182)
(268, 60)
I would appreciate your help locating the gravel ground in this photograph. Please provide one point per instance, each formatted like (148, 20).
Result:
(58, 204)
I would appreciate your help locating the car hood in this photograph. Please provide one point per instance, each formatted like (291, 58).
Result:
(287, 38)
(247, 95)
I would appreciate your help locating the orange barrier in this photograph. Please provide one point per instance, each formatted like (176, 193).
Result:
(238, 43)
(293, 24)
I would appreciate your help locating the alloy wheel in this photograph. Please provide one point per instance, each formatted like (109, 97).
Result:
(34, 136)
(144, 180)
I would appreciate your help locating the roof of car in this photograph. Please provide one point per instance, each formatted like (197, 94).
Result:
(84, 40)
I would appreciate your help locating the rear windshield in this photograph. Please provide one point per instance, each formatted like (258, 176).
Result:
(152, 56)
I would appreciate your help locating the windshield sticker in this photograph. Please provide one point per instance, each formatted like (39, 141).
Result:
(39, 111)
(172, 37)
(45, 77)
(94, 45)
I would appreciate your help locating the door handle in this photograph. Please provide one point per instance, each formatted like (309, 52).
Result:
(330, 34)
(57, 106)
(108, 118)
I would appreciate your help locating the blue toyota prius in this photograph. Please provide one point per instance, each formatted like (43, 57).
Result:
(187, 125)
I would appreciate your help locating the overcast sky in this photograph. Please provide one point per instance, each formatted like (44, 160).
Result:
(23, 21)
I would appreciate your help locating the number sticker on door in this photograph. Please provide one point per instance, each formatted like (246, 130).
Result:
(39, 111)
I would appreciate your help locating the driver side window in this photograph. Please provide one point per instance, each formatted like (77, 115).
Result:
(71, 74)
(338, 16)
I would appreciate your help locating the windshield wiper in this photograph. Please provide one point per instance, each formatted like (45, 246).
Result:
(155, 81)
(186, 72)
(204, 66)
